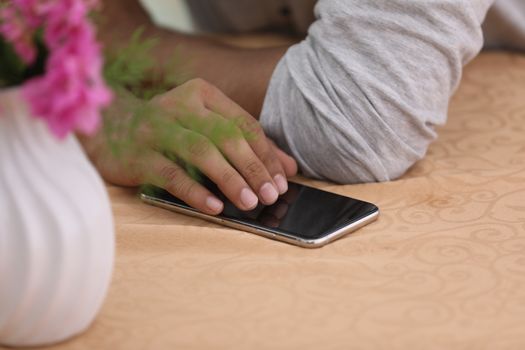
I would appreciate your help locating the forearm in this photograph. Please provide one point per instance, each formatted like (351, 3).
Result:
(366, 99)
(242, 74)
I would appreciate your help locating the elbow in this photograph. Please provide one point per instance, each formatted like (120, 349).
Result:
(350, 129)
(379, 153)
(395, 164)
(352, 168)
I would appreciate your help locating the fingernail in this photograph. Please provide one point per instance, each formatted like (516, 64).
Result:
(281, 183)
(214, 204)
(248, 198)
(268, 193)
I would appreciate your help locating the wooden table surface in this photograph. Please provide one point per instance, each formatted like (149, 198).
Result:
(443, 268)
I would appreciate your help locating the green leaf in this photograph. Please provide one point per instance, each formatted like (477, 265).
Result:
(13, 71)
(129, 66)
(11, 67)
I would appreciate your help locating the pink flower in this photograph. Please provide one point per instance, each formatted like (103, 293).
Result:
(16, 29)
(71, 93)
(67, 97)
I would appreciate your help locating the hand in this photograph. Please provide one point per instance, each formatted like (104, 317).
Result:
(200, 126)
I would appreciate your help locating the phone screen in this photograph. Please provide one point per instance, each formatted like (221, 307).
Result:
(303, 211)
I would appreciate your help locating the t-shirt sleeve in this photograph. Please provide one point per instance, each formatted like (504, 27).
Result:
(359, 99)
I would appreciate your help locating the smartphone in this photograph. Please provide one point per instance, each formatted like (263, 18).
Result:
(303, 216)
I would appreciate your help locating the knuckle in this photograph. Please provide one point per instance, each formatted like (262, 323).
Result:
(201, 86)
(266, 153)
(253, 126)
(253, 168)
(197, 82)
(199, 147)
(255, 132)
(186, 189)
(268, 157)
(207, 90)
(166, 100)
(227, 177)
(230, 138)
(181, 188)
(171, 174)
(234, 131)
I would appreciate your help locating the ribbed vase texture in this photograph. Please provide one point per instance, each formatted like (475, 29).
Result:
(56, 232)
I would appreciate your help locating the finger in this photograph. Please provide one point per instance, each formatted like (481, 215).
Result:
(170, 176)
(289, 164)
(230, 141)
(200, 152)
(219, 103)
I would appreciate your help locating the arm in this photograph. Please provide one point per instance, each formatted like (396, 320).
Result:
(242, 74)
(370, 83)
(194, 123)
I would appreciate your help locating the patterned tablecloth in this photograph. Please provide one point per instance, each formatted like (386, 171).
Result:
(443, 268)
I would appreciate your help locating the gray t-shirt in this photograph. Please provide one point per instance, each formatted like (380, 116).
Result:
(359, 98)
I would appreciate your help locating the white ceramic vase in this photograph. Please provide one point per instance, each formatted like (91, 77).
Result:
(56, 232)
